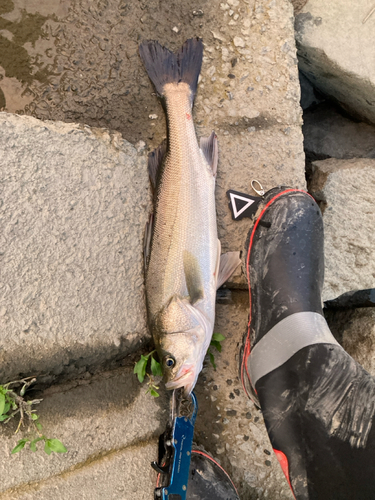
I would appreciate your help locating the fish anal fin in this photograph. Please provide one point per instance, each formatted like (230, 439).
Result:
(147, 240)
(210, 149)
(193, 277)
(155, 160)
(228, 264)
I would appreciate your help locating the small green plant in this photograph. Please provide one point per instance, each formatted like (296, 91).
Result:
(156, 371)
(216, 340)
(12, 403)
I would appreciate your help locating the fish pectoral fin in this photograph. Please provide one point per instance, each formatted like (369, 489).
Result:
(155, 160)
(228, 264)
(210, 149)
(147, 240)
(193, 277)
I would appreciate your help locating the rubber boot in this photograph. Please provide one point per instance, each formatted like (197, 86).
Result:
(208, 480)
(318, 403)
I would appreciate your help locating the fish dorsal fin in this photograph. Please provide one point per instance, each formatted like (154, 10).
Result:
(147, 240)
(210, 149)
(193, 277)
(155, 160)
(228, 264)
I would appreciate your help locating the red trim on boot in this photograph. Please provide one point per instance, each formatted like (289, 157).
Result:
(247, 348)
(281, 457)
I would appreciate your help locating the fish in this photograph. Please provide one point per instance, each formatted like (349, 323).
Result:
(183, 261)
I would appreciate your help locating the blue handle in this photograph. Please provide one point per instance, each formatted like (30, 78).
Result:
(182, 441)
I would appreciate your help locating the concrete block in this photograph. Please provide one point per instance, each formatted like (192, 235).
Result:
(73, 206)
(336, 52)
(346, 190)
(121, 475)
(110, 427)
(327, 133)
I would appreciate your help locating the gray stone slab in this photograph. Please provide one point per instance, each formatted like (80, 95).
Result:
(346, 189)
(109, 426)
(336, 52)
(327, 133)
(73, 206)
(122, 475)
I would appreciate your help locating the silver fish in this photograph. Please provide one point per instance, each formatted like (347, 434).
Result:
(182, 251)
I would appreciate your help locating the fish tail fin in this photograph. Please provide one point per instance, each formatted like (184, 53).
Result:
(163, 66)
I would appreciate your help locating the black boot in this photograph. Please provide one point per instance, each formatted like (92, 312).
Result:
(318, 403)
(284, 267)
(208, 480)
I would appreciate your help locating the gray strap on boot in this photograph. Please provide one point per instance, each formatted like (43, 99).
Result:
(289, 336)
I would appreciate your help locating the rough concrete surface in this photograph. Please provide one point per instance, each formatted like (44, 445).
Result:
(336, 52)
(346, 190)
(327, 133)
(73, 206)
(103, 422)
(228, 424)
(121, 475)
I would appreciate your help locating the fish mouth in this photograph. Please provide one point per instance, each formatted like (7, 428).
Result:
(186, 380)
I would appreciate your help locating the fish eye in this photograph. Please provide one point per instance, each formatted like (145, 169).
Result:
(169, 361)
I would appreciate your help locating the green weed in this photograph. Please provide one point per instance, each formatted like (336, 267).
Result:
(12, 403)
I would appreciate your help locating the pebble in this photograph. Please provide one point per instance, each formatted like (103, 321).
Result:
(140, 146)
(239, 42)
(231, 413)
(153, 117)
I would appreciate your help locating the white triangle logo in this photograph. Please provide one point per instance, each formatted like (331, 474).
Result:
(236, 212)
